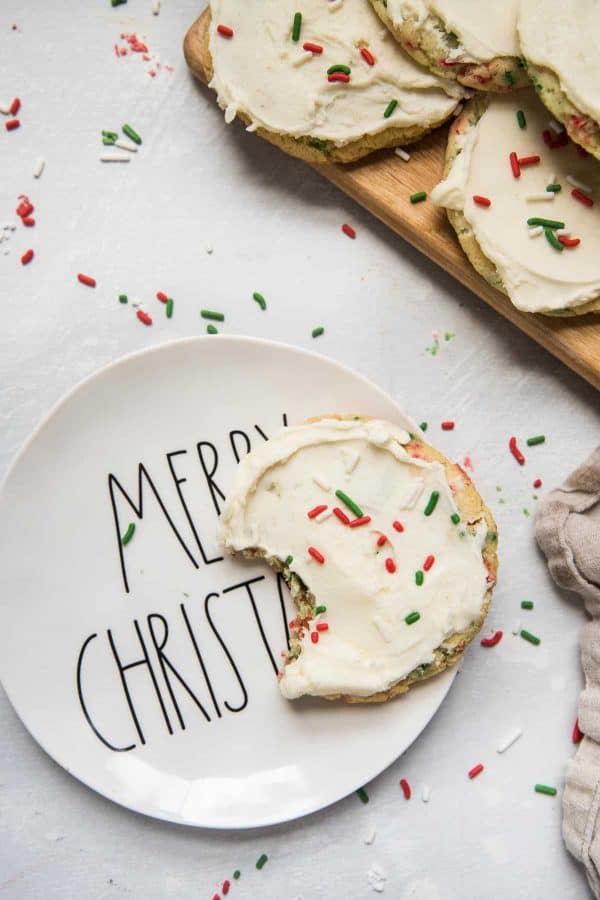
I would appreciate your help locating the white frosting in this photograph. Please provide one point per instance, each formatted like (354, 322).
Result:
(537, 278)
(564, 38)
(264, 74)
(368, 646)
(484, 30)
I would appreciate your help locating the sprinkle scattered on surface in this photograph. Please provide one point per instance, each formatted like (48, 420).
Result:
(512, 446)
(475, 771)
(448, 426)
(370, 833)
(354, 507)
(545, 789)
(128, 534)
(526, 604)
(114, 158)
(317, 332)
(86, 279)
(212, 329)
(213, 315)
(509, 740)
(418, 197)
(131, 134)
(528, 636)
(261, 861)
(432, 503)
(27, 257)
(144, 317)
(412, 617)
(481, 201)
(38, 167)
(349, 231)
(537, 439)
(399, 151)
(405, 788)
(225, 31)
(577, 734)
(426, 793)
(493, 640)
(390, 109)
(521, 119)
(362, 795)
(259, 299)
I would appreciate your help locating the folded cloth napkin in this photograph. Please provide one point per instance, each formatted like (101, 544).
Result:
(568, 532)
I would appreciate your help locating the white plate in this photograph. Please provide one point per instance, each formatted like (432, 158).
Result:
(244, 756)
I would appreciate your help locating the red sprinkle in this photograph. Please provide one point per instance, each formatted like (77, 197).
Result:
(481, 201)
(514, 164)
(398, 526)
(447, 426)
(225, 30)
(144, 317)
(428, 563)
(24, 208)
(28, 221)
(314, 636)
(316, 555)
(356, 523)
(216, 897)
(349, 230)
(86, 279)
(12, 124)
(27, 257)
(405, 788)
(14, 107)
(491, 641)
(390, 565)
(583, 198)
(226, 886)
(160, 295)
(322, 626)
(512, 446)
(529, 160)
(476, 770)
(568, 241)
(316, 511)
(339, 76)
(577, 735)
(381, 540)
(367, 56)
(341, 515)
(312, 48)
(537, 483)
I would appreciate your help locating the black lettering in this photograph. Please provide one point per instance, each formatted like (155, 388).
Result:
(179, 481)
(228, 655)
(261, 432)
(247, 584)
(200, 659)
(138, 509)
(145, 661)
(215, 490)
(88, 717)
(233, 443)
(165, 663)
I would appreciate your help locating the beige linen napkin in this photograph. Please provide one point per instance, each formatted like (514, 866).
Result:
(568, 532)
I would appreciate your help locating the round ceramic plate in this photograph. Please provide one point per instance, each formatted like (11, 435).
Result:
(147, 668)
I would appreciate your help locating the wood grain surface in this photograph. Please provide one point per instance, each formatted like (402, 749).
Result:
(383, 183)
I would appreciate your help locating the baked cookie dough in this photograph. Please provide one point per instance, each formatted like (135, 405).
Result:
(502, 220)
(388, 549)
(560, 44)
(322, 80)
(470, 41)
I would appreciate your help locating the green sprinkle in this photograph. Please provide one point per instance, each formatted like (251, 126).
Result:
(419, 578)
(338, 68)
(210, 329)
(169, 309)
(289, 560)
(455, 518)
(508, 77)
(521, 119)
(317, 332)
(530, 637)
(390, 108)
(526, 604)
(259, 299)
(413, 617)
(526, 511)
(418, 197)
(545, 789)
(236, 874)
(108, 142)
(111, 135)
(553, 240)
(128, 534)
(432, 503)
(263, 857)
(297, 26)
(492, 536)
(364, 797)
(553, 188)
(320, 609)
(131, 134)
(211, 314)
(546, 223)
(448, 335)
(538, 439)
(117, 2)
(123, 298)
(350, 504)
(423, 426)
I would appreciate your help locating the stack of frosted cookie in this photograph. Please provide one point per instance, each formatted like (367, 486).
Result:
(326, 82)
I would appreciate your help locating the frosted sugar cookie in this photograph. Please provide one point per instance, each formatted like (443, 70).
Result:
(524, 204)
(322, 80)
(388, 549)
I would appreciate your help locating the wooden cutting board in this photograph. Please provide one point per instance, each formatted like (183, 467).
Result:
(383, 183)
